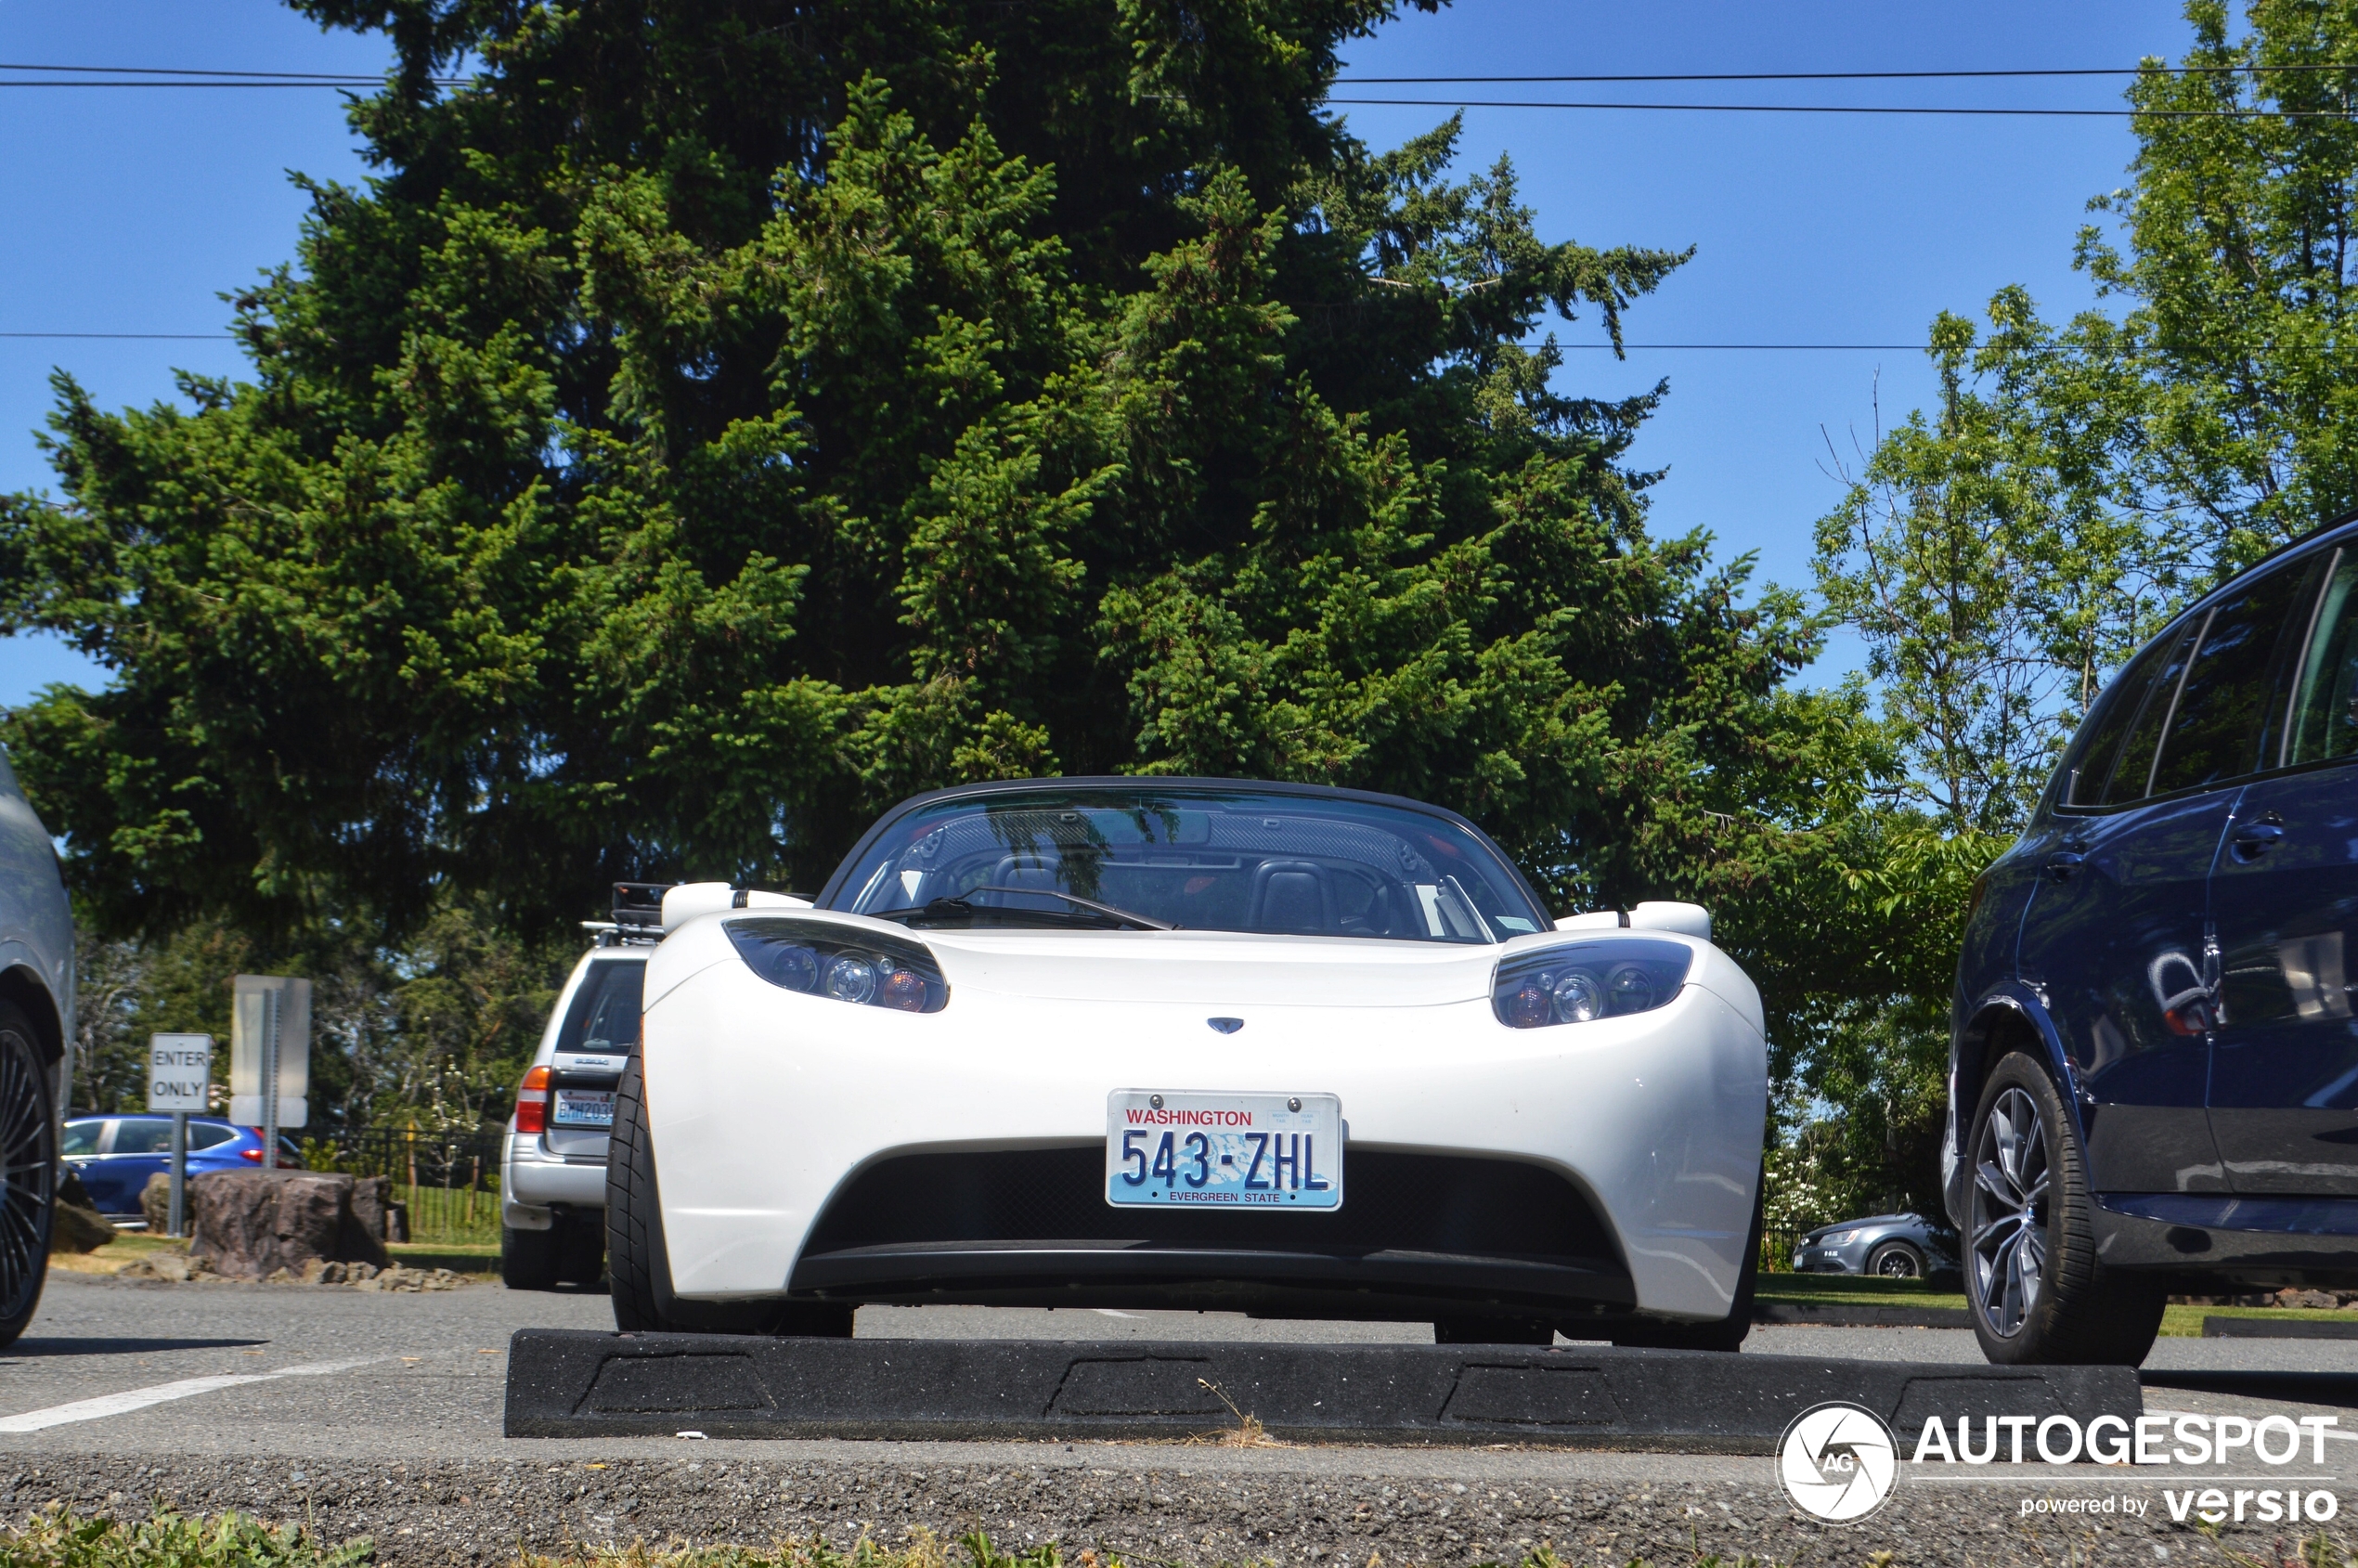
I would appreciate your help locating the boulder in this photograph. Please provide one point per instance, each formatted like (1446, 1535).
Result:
(155, 1203)
(77, 1227)
(251, 1224)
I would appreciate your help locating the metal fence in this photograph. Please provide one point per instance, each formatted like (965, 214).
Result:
(1776, 1251)
(448, 1182)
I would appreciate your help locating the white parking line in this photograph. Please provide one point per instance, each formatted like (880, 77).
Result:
(140, 1398)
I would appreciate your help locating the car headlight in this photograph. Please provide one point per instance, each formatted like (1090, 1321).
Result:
(1842, 1238)
(867, 968)
(1586, 981)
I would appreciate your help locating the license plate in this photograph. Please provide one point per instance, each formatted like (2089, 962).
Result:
(1166, 1150)
(584, 1108)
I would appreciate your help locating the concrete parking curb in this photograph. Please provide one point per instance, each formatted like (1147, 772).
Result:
(565, 1383)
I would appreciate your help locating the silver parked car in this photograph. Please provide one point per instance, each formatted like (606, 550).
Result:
(1894, 1246)
(36, 1019)
(553, 1186)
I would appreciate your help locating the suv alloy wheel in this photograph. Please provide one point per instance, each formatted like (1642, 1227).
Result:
(2038, 1294)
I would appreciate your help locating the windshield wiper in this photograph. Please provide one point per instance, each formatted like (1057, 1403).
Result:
(960, 908)
(1144, 922)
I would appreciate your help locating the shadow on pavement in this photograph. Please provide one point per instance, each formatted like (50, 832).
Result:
(118, 1347)
(2304, 1388)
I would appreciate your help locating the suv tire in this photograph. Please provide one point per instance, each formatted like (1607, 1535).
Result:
(2038, 1294)
(29, 1168)
(1729, 1332)
(528, 1258)
(639, 1269)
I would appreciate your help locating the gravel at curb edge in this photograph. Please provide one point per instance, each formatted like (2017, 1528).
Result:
(481, 1512)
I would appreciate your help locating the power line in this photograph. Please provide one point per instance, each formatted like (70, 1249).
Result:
(1864, 108)
(1851, 76)
(178, 76)
(1658, 347)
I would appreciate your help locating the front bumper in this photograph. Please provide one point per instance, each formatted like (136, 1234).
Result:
(768, 1109)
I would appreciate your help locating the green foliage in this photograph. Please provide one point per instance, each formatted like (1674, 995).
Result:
(661, 466)
(2003, 556)
(432, 1035)
(52, 1538)
(2240, 415)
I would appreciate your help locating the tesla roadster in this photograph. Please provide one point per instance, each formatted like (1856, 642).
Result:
(1287, 1050)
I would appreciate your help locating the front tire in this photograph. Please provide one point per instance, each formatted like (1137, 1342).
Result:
(1895, 1260)
(638, 1267)
(1493, 1331)
(28, 1172)
(2039, 1295)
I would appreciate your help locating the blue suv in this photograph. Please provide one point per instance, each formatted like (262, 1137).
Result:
(2153, 1051)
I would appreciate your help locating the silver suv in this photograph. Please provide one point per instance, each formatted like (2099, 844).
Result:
(36, 1019)
(553, 1176)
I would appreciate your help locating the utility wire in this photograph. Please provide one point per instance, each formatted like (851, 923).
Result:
(1712, 347)
(1877, 108)
(1851, 76)
(176, 76)
(129, 337)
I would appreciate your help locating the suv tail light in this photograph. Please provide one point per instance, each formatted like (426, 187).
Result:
(532, 1102)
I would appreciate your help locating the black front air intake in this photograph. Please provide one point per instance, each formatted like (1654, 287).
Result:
(1394, 1202)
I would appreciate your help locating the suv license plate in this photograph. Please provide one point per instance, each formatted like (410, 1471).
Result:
(584, 1108)
(1166, 1148)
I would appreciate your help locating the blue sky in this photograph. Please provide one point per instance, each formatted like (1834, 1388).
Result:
(135, 209)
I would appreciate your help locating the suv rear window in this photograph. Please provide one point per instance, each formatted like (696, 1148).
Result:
(2214, 733)
(2324, 706)
(605, 1015)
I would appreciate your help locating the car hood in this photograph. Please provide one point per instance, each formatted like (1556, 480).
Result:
(1213, 967)
(1210, 968)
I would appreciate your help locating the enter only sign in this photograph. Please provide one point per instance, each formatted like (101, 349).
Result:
(179, 1071)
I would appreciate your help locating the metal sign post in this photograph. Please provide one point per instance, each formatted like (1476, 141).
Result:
(270, 1058)
(179, 1078)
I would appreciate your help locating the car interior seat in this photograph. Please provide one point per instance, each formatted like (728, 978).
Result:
(1291, 895)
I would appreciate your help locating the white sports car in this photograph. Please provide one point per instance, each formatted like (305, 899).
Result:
(1280, 1049)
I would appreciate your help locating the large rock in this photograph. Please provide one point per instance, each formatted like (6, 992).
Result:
(155, 1203)
(249, 1224)
(75, 1225)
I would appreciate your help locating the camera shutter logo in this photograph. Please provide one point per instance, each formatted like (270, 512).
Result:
(1838, 1462)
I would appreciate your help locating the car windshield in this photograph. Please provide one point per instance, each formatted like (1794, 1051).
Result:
(1278, 863)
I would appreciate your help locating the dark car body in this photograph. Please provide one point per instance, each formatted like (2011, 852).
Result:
(2172, 936)
(1894, 1246)
(115, 1155)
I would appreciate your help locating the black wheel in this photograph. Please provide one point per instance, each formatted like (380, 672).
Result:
(581, 1248)
(2038, 1294)
(1493, 1331)
(28, 1172)
(528, 1259)
(1728, 1334)
(640, 1271)
(1895, 1260)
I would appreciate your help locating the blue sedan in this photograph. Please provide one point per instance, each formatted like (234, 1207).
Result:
(115, 1155)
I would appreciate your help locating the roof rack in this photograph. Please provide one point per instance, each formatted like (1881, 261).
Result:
(638, 913)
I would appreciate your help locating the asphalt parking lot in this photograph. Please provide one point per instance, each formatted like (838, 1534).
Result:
(380, 1414)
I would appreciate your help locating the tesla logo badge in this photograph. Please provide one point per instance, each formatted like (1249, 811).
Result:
(1226, 1026)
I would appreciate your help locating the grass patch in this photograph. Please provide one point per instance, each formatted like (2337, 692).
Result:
(128, 1246)
(1854, 1290)
(55, 1538)
(2185, 1322)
